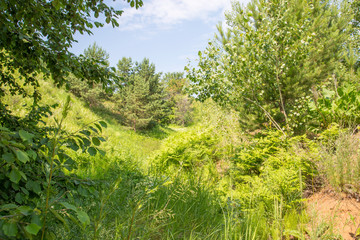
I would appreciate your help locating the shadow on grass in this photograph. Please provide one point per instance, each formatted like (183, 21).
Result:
(107, 114)
(158, 132)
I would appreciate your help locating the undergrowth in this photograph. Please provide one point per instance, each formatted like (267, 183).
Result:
(206, 181)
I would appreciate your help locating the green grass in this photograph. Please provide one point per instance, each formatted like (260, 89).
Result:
(130, 199)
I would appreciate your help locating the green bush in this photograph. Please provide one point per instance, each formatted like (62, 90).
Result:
(188, 150)
(274, 167)
(341, 106)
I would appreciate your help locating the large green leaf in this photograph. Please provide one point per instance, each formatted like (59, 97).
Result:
(8, 157)
(103, 124)
(83, 217)
(15, 175)
(96, 141)
(34, 186)
(25, 136)
(68, 206)
(25, 210)
(10, 229)
(21, 156)
(8, 206)
(33, 228)
(92, 151)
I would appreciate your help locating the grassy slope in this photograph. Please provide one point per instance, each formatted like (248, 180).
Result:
(121, 142)
(131, 202)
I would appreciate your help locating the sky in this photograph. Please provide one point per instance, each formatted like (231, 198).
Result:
(167, 32)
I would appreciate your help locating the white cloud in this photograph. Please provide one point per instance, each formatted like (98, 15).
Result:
(167, 13)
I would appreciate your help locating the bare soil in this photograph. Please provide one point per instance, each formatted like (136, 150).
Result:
(339, 211)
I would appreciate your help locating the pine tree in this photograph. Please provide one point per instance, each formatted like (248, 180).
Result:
(92, 92)
(141, 100)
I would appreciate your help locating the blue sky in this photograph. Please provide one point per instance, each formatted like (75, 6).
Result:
(168, 32)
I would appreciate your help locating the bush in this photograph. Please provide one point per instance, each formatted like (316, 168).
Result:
(188, 150)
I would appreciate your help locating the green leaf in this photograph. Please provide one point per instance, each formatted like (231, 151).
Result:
(25, 136)
(98, 127)
(8, 206)
(86, 142)
(8, 157)
(19, 198)
(83, 217)
(103, 124)
(73, 145)
(34, 186)
(68, 206)
(21, 156)
(31, 154)
(15, 175)
(85, 132)
(92, 151)
(33, 228)
(10, 229)
(23, 175)
(102, 153)
(25, 210)
(96, 141)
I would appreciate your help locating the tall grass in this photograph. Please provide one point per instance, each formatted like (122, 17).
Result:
(128, 200)
(340, 161)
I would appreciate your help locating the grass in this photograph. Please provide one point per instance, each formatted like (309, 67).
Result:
(340, 162)
(131, 200)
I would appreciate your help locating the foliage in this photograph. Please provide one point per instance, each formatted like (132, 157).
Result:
(273, 167)
(341, 106)
(92, 93)
(340, 161)
(32, 175)
(271, 55)
(141, 99)
(179, 104)
(36, 38)
(188, 150)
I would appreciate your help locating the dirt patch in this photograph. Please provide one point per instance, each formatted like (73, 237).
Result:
(340, 212)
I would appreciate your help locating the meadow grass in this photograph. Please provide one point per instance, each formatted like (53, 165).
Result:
(133, 200)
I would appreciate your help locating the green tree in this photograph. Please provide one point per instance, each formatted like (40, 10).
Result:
(36, 37)
(141, 99)
(273, 53)
(92, 92)
(35, 41)
(178, 102)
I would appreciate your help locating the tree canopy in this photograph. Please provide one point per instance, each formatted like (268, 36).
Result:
(36, 37)
(272, 54)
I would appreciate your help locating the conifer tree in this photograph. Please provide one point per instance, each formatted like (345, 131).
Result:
(141, 100)
(92, 92)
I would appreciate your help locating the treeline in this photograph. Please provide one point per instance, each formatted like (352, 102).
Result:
(139, 96)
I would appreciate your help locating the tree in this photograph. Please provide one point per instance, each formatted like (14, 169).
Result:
(92, 93)
(273, 53)
(178, 102)
(36, 37)
(141, 99)
(98, 54)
